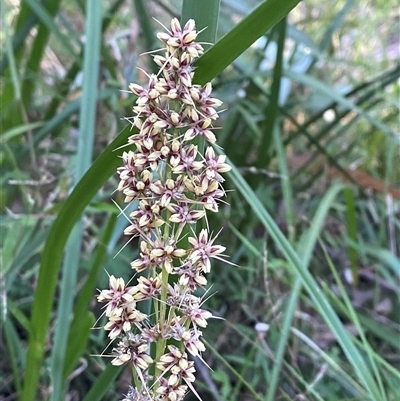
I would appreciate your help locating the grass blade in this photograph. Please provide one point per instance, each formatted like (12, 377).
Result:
(270, 126)
(208, 21)
(226, 50)
(307, 245)
(53, 251)
(84, 157)
(104, 381)
(85, 296)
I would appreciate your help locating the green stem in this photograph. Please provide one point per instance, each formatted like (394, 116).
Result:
(161, 343)
(138, 384)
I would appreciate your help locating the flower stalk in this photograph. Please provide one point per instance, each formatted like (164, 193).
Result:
(174, 184)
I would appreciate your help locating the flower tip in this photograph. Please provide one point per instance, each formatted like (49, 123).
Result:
(164, 37)
(189, 37)
(175, 25)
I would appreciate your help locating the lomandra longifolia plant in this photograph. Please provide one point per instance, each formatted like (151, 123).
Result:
(173, 184)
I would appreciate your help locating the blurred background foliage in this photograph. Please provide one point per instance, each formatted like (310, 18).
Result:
(311, 125)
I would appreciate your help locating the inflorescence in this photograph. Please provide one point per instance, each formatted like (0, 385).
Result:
(173, 184)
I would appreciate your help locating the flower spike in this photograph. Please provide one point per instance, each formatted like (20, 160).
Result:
(173, 185)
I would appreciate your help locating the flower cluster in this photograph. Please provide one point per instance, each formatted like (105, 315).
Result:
(173, 184)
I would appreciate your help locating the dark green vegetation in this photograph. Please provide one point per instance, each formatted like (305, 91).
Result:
(313, 215)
